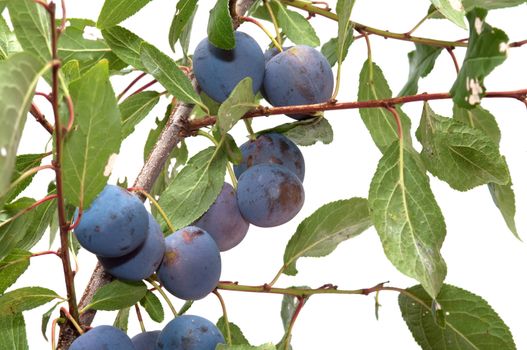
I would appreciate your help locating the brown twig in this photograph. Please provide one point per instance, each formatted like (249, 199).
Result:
(450, 51)
(40, 118)
(139, 77)
(518, 43)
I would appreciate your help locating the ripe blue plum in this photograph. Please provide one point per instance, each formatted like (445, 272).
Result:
(269, 195)
(298, 76)
(103, 338)
(146, 340)
(191, 266)
(142, 262)
(114, 225)
(271, 148)
(223, 221)
(189, 332)
(219, 71)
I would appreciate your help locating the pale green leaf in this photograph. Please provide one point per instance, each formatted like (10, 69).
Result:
(309, 132)
(8, 41)
(185, 10)
(71, 71)
(26, 298)
(118, 295)
(491, 4)
(330, 48)
(135, 108)
(24, 163)
(12, 267)
(115, 11)
(45, 320)
(470, 322)
(153, 307)
(422, 61)
(481, 119)
(11, 229)
(344, 8)
(452, 10)
(121, 320)
(296, 27)
(13, 333)
(320, 233)
(504, 199)
(239, 102)
(408, 218)
(184, 37)
(36, 224)
(219, 29)
(237, 336)
(267, 346)
(125, 44)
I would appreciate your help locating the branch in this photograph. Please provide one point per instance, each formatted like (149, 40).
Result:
(39, 117)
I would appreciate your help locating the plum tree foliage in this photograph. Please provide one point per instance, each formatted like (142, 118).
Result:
(230, 79)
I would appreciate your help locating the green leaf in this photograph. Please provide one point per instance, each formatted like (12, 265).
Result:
(125, 44)
(36, 224)
(344, 8)
(26, 298)
(45, 320)
(118, 295)
(307, 133)
(267, 346)
(19, 75)
(115, 11)
(8, 42)
(504, 199)
(32, 28)
(462, 156)
(184, 38)
(13, 333)
(296, 27)
(379, 121)
(195, 187)
(481, 119)
(121, 320)
(153, 307)
(237, 336)
(10, 228)
(168, 74)
(234, 153)
(422, 61)
(329, 49)
(219, 29)
(491, 4)
(487, 49)
(12, 267)
(320, 233)
(407, 218)
(24, 163)
(71, 71)
(135, 108)
(96, 137)
(470, 322)
(452, 10)
(185, 10)
(239, 102)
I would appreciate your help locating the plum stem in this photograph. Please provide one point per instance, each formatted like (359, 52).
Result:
(139, 317)
(275, 22)
(139, 77)
(164, 296)
(262, 27)
(423, 20)
(225, 316)
(289, 333)
(155, 204)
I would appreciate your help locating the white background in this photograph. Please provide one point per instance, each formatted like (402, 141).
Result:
(482, 255)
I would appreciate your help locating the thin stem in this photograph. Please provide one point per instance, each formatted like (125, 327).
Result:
(249, 128)
(43, 94)
(225, 316)
(139, 317)
(40, 118)
(25, 175)
(262, 27)
(425, 18)
(131, 85)
(301, 302)
(395, 114)
(155, 204)
(28, 209)
(185, 307)
(72, 320)
(64, 17)
(53, 333)
(144, 87)
(275, 22)
(450, 51)
(277, 276)
(518, 43)
(230, 170)
(164, 296)
(47, 252)
(71, 113)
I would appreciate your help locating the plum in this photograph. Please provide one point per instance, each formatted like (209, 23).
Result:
(146, 340)
(103, 338)
(223, 220)
(143, 261)
(114, 225)
(191, 266)
(271, 148)
(269, 195)
(298, 76)
(219, 71)
(189, 332)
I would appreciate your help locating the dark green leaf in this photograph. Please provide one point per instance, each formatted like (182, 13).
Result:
(320, 233)
(26, 298)
(36, 224)
(329, 49)
(19, 75)
(487, 49)
(344, 8)
(184, 38)
(153, 307)
(195, 187)
(422, 61)
(481, 119)
(121, 320)
(118, 295)
(267, 346)
(470, 322)
(407, 218)
(24, 163)
(296, 27)
(237, 336)
(12, 267)
(45, 320)
(90, 149)
(115, 11)
(10, 228)
(491, 4)
(307, 133)
(452, 10)
(135, 108)
(462, 156)
(126, 45)
(239, 102)
(13, 333)
(219, 30)
(184, 13)
(232, 150)
(503, 197)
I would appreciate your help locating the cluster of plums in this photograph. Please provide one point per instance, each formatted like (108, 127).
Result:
(185, 332)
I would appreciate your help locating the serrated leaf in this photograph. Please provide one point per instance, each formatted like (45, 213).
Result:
(8, 41)
(168, 74)
(118, 295)
(19, 75)
(504, 199)
(239, 102)
(320, 233)
(185, 10)
(26, 298)
(10, 228)
(408, 218)
(422, 61)
(330, 48)
(135, 108)
(13, 333)
(45, 320)
(12, 267)
(95, 139)
(310, 132)
(184, 38)
(491, 4)
(296, 27)
(470, 322)
(40, 221)
(379, 121)
(344, 8)
(462, 156)
(487, 49)
(115, 11)
(31, 25)
(153, 307)
(121, 320)
(452, 10)
(267, 346)
(237, 337)
(24, 163)
(195, 187)
(479, 118)
(219, 29)
(125, 44)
